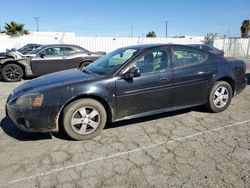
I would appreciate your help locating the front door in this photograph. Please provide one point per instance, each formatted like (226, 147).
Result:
(49, 60)
(151, 91)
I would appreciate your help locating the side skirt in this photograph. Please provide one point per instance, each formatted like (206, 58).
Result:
(158, 111)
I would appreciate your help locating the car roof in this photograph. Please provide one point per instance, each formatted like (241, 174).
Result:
(79, 48)
(148, 46)
(33, 44)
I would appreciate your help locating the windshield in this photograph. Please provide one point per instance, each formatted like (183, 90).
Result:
(35, 50)
(111, 62)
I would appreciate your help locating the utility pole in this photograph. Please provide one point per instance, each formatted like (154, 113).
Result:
(37, 25)
(131, 31)
(166, 28)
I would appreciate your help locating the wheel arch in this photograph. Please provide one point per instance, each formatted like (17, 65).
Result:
(230, 81)
(15, 62)
(86, 60)
(105, 104)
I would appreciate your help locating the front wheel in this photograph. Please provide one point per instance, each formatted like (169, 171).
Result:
(220, 97)
(12, 73)
(85, 64)
(84, 119)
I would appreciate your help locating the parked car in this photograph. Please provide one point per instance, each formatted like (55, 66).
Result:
(23, 50)
(127, 83)
(28, 48)
(210, 49)
(45, 59)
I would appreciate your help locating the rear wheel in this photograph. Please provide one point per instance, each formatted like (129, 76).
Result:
(12, 73)
(220, 97)
(84, 119)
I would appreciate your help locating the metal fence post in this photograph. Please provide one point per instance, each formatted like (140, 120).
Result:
(234, 43)
(224, 44)
(248, 48)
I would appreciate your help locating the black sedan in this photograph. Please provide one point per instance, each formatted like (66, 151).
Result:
(127, 83)
(45, 59)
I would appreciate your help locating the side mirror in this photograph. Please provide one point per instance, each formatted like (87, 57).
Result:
(131, 73)
(41, 55)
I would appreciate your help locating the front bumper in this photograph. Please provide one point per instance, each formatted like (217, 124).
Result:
(33, 119)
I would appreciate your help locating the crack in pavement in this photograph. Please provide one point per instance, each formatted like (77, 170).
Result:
(124, 153)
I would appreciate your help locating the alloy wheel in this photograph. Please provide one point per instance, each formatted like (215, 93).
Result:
(220, 97)
(12, 73)
(85, 120)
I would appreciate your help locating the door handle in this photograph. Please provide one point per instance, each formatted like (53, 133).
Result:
(164, 79)
(204, 72)
(201, 72)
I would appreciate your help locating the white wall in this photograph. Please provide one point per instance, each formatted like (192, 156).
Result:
(91, 43)
(231, 47)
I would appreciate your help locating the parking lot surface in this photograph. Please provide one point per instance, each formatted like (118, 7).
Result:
(187, 148)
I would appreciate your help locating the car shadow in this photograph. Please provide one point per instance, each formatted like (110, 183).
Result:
(9, 128)
(248, 78)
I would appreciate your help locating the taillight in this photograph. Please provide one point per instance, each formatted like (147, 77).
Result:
(245, 67)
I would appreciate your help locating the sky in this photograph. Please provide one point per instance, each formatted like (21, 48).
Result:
(115, 17)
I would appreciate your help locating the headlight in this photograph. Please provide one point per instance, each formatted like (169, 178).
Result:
(34, 99)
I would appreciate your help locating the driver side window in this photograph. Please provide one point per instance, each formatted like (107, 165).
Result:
(55, 51)
(154, 61)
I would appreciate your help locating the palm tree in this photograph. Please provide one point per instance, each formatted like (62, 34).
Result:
(14, 29)
(151, 34)
(245, 28)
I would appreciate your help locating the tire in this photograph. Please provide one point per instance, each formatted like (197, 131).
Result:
(220, 97)
(85, 63)
(12, 73)
(84, 119)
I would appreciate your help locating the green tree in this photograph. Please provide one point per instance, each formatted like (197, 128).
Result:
(151, 34)
(14, 29)
(245, 28)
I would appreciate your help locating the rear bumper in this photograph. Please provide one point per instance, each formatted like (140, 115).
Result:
(241, 86)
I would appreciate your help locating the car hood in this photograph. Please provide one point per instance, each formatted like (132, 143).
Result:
(56, 79)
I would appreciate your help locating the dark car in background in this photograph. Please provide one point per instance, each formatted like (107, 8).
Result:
(23, 50)
(208, 48)
(45, 59)
(127, 83)
(28, 48)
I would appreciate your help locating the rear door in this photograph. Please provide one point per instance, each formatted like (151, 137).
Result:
(192, 76)
(151, 91)
(49, 60)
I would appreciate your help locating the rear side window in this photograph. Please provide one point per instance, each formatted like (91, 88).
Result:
(68, 51)
(185, 57)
